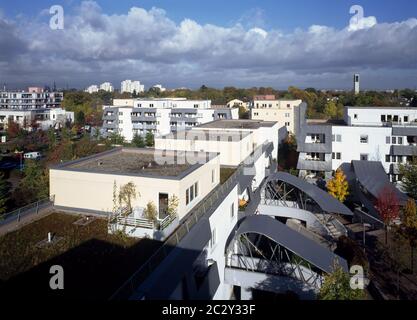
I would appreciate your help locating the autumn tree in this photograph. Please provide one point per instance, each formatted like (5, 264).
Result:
(409, 226)
(330, 109)
(336, 286)
(387, 204)
(338, 187)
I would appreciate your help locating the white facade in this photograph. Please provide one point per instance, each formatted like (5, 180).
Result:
(385, 134)
(44, 118)
(92, 89)
(107, 86)
(131, 86)
(31, 99)
(160, 116)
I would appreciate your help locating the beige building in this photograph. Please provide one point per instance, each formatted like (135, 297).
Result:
(124, 102)
(282, 111)
(87, 184)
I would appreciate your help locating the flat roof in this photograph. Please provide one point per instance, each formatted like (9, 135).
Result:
(206, 135)
(139, 162)
(237, 124)
(381, 107)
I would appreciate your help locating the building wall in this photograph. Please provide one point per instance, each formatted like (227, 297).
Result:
(94, 191)
(123, 102)
(372, 116)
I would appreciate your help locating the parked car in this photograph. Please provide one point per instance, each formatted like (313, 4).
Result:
(32, 155)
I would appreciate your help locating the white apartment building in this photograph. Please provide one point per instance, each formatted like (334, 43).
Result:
(92, 89)
(33, 98)
(44, 118)
(131, 86)
(384, 134)
(159, 87)
(282, 111)
(106, 86)
(160, 116)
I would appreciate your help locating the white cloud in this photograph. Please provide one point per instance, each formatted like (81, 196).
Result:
(146, 44)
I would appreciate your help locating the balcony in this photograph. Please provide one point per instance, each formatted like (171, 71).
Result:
(314, 165)
(410, 150)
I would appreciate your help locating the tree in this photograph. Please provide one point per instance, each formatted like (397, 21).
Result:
(409, 180)
(138, 141)
(409, 225)
(116, 138)
(80, 118)
(150, 212)
(150, 139)
(4, 194)
(12, 129)
(127, 193)
(173, 203)
(243, 113)
(388, 207)
(330, 110)
(336, 286)
(338, 187)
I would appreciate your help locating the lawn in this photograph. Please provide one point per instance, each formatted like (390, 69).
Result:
(95, 263)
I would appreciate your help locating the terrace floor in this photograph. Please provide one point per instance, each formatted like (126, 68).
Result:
(95, 263)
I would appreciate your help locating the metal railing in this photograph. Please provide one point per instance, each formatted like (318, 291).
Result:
(122, 218)
(204, 206)
(33, 208)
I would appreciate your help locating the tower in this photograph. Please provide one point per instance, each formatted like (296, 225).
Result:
(356, 83)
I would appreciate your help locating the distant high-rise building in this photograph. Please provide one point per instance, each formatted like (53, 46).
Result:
(107, 86)
(356, 83)
(91, 89)
(131, 86)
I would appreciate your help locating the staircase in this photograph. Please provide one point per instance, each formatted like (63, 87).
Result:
(329, 222)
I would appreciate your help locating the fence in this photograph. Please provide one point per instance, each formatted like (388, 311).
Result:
(125, 220)
(206, 205)
(33, 208)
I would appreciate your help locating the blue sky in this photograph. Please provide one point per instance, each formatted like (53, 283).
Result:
(248, 43)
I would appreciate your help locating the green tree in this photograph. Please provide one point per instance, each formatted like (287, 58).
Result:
(116, 138)
(336, 286)
(330, 110)
(51, 139)
(409, 226)
(243, 113)
(409, 180)
(80, 118)
(4, 194)
(150, 212)
(138, 141)
(150, 139)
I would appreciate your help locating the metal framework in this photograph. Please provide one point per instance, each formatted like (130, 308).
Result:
(280, 193)
(258, 253)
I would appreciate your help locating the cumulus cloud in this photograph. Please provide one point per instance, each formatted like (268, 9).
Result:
(148, 45)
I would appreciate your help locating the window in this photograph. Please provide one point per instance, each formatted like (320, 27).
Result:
(364, 139)
(212, 176)
(196, 189)
(213, 238)
(383, 118)
(405, 118)
(287, 124)
(338, 156)
(394, 140)
(400, 140)
(333, 155)
(187, 197)
(191, 193)
(388, 158)
(388, 140)
(120, 113)
(339, 138)
(232, 211)
(355, 116)
(333, 137)
(364, 157)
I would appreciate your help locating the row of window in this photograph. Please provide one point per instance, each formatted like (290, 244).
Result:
(338, 156)
(191, 193)
(397, 159)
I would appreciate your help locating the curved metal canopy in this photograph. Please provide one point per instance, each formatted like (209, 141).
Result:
(323, 199)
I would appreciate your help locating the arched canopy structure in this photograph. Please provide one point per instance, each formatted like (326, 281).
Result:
(283, 189)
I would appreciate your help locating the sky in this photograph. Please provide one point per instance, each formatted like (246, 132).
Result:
(188, 43)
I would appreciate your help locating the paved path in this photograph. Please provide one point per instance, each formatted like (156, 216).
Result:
(28, 218)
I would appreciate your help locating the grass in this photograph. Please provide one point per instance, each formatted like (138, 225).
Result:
(95, 263)
(225, 173)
